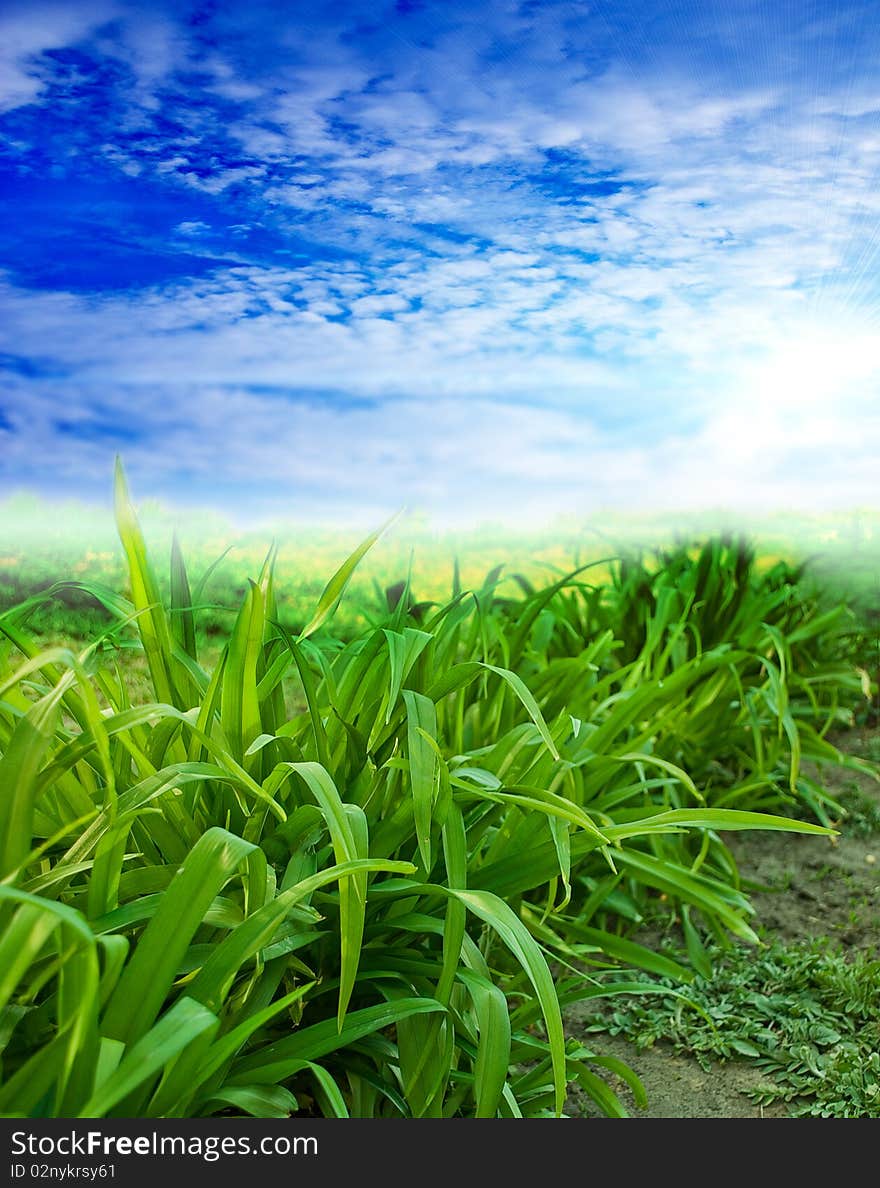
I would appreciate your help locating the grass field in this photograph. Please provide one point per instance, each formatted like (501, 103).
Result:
(291, 837)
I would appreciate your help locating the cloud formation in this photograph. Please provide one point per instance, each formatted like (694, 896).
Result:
(520, 258)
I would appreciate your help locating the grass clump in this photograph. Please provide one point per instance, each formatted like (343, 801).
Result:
(326, 873)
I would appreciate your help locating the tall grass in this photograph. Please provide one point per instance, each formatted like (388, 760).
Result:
(365, 877)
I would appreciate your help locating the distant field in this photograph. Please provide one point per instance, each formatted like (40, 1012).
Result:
(41, 545)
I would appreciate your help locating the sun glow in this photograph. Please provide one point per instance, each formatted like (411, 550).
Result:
(815, 368)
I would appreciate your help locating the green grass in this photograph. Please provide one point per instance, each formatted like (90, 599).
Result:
(807, 1015)
(327, 871)
(861, 814)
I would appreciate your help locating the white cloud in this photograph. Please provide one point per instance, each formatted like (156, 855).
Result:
(192, 228)
(459, 460)
(28, 31)
(218, 180)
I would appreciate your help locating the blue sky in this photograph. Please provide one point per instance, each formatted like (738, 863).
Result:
(495, 260)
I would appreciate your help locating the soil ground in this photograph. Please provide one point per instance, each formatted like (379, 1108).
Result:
(813, 887)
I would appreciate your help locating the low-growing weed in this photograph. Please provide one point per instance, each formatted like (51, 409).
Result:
(806, 1014)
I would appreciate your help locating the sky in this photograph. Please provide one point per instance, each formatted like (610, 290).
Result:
(508, 260)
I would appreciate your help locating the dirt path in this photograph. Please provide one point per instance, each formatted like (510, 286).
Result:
(678, 1087)
(815, 887)
(820, 887)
